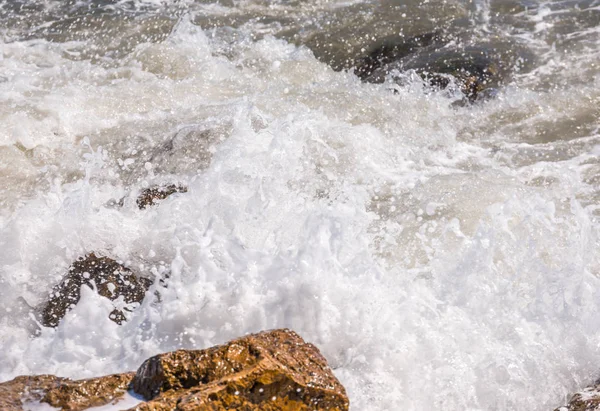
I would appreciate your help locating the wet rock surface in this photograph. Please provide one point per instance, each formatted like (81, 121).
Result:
(151, 196)
(62, 393)
(393, 49)
(586, 400)
(474, 68)
(109, 278)
(274, 370)
(271, 370)
(336, 32)
(439, 59)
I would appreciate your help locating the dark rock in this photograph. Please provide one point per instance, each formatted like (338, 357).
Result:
(111, 280)
(474, 67)
(63, 393)
(150, 196)
(393, 49)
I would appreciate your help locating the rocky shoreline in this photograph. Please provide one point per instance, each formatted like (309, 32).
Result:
(412, 185)
(271, 370)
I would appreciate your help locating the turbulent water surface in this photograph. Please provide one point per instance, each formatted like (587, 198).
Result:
(442, 255)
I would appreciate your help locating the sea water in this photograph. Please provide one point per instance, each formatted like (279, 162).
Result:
(440, 255)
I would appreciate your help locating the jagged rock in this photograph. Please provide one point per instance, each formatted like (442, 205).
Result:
(111, 280)
(62, 393)
(272, 370)
(150, 196)
(269, 371)
(586, 400)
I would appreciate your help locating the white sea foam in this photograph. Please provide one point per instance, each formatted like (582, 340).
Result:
(440, 257)
(38, 406)
(127, 401)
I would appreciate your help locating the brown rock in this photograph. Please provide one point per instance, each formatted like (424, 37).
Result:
(272, 370)
(586, 400)
(14, 392)
(111, 279)
(63, 393)
(150, 196)
(92, 392)
(269, 371)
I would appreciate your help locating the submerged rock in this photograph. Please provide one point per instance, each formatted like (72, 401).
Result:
(268, 371)
(62, 393)
(190, 149)
(150, 196)
(110, 279)
(393, 49)
(475, 67)
(586, 400)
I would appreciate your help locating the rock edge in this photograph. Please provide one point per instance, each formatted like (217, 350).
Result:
(270, 370)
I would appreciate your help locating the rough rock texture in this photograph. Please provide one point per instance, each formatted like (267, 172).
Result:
(268, 371)
(63, 393)
(111, 279)
(150, 196)
(586, 400)
(272, 370)
(79, 395)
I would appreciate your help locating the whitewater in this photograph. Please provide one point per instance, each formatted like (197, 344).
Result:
(440, 255)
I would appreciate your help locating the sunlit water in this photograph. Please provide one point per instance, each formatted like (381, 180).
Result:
(441, 256)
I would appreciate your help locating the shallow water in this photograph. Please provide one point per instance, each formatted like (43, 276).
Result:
(441, 256)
